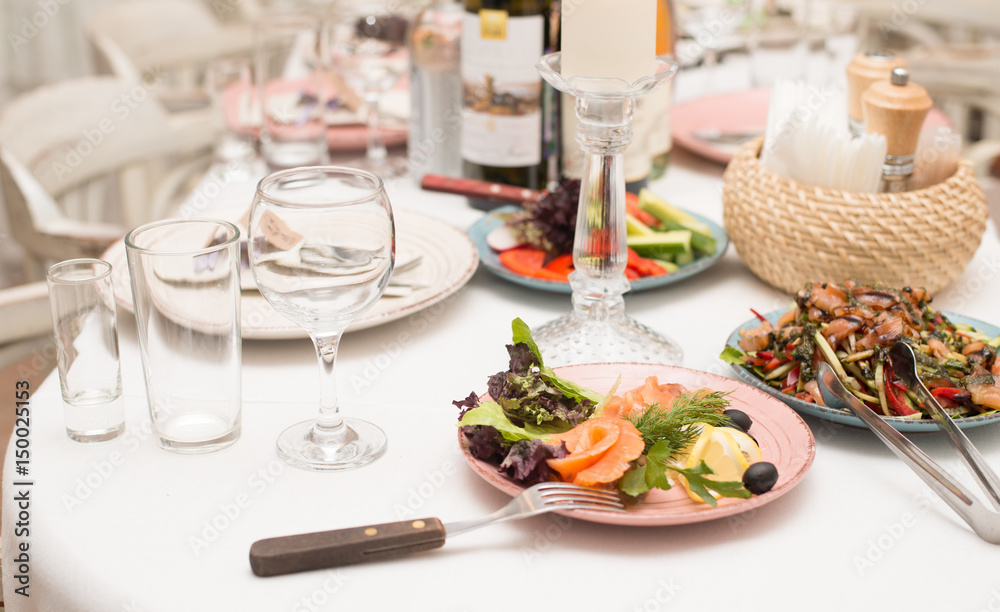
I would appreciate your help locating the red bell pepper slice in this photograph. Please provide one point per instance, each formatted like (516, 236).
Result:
(558, 269)
(632, 208)
(952, 393)
(774, 363)
(643, 266)
(896, 404)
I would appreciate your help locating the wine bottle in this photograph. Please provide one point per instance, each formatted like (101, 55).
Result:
(504, 104)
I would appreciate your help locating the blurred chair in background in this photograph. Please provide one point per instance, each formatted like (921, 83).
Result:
(167, 41)
(84, 160)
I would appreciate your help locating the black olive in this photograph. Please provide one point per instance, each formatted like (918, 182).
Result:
(740, 418)
(760, 477)
(734, 426)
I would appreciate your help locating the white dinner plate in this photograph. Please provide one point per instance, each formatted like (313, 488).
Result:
(448, 260)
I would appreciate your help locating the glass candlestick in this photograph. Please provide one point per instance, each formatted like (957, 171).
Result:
(598, 330)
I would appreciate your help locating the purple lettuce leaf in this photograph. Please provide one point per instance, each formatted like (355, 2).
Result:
(525, 463)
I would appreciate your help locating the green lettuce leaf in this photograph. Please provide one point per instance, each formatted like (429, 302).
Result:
(732, 355)
(492, 414)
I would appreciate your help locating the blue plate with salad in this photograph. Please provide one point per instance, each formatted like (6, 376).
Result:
(951, 375)
(681, 256)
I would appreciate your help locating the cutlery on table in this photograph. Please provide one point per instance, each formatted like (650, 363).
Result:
(717, 136)
(481, 190)
(298, 553)
(983, 520)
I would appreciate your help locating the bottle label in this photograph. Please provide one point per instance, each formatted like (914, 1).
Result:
(502, 91)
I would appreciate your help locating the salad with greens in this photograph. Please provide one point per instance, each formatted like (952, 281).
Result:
(536, 426)
(852, 326)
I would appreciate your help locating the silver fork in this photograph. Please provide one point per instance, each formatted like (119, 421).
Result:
(983, 520)
(298, 553)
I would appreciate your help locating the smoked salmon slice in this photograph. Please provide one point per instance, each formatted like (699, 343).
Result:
(639, 399)
(601, 450)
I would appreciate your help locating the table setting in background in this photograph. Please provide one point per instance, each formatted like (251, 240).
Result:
(700, 381)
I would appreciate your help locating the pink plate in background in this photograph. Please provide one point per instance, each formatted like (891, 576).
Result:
(784, 438)
(340, 137)
(739, 111)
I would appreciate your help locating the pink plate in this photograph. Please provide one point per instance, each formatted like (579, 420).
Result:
(341, 138)
(740, 111)
(784, 439)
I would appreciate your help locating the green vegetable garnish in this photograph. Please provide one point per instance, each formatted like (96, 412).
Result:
(672, 426)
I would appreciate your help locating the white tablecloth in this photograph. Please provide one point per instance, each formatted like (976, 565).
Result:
(126, 526)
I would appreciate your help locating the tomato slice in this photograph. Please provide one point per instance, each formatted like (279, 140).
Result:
(561, 265)
(547, 274)
(523, 260)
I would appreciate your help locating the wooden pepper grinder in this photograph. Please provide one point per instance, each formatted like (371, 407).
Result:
(865, 69)
(896, 109)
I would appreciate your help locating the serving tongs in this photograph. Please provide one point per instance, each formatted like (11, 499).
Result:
(984, 521)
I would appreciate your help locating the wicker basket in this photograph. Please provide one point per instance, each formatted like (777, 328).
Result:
(790, 234)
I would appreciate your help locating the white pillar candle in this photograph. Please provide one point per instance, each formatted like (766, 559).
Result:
(608, 38)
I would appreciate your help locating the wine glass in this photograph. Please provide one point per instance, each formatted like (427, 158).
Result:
(322, 248)
(710, 23)
(367, 43)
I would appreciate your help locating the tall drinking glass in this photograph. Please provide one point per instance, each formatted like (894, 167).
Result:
(322, 248)
(289, 75)
(367, 40)
(185, 282)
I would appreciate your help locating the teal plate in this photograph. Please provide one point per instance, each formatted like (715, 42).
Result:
(495, 218)
(842, 416)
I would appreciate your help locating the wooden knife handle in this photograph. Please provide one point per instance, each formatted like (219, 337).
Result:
(310, 551)
(480, 190)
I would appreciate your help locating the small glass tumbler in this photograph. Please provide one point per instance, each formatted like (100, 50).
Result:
(231, 90)
(185, 279)
(86, 333)
(289, 74)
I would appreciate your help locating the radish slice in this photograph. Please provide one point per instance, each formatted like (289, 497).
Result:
(502, 239)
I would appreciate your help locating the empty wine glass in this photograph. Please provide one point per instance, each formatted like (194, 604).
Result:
(710, 23)
(367, 43)
(322, 248)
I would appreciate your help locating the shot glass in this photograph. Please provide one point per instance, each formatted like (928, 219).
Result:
(185, 278)
(289, 74)
(86, 333)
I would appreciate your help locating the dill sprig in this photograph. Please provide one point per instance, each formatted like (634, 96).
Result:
(671, 425)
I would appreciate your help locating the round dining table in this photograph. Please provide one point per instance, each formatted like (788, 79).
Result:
(126, 526)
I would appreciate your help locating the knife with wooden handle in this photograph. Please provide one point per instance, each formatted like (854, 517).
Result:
(480, 190)
(311, 551)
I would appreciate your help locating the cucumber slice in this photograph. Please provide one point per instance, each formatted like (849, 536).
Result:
(702, 244)
(683, 259)
(635, 227)
(664, 211)
(669, 266)
(675, 243)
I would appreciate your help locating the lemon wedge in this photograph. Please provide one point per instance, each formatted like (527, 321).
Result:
(729, 452)
(751, 452)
